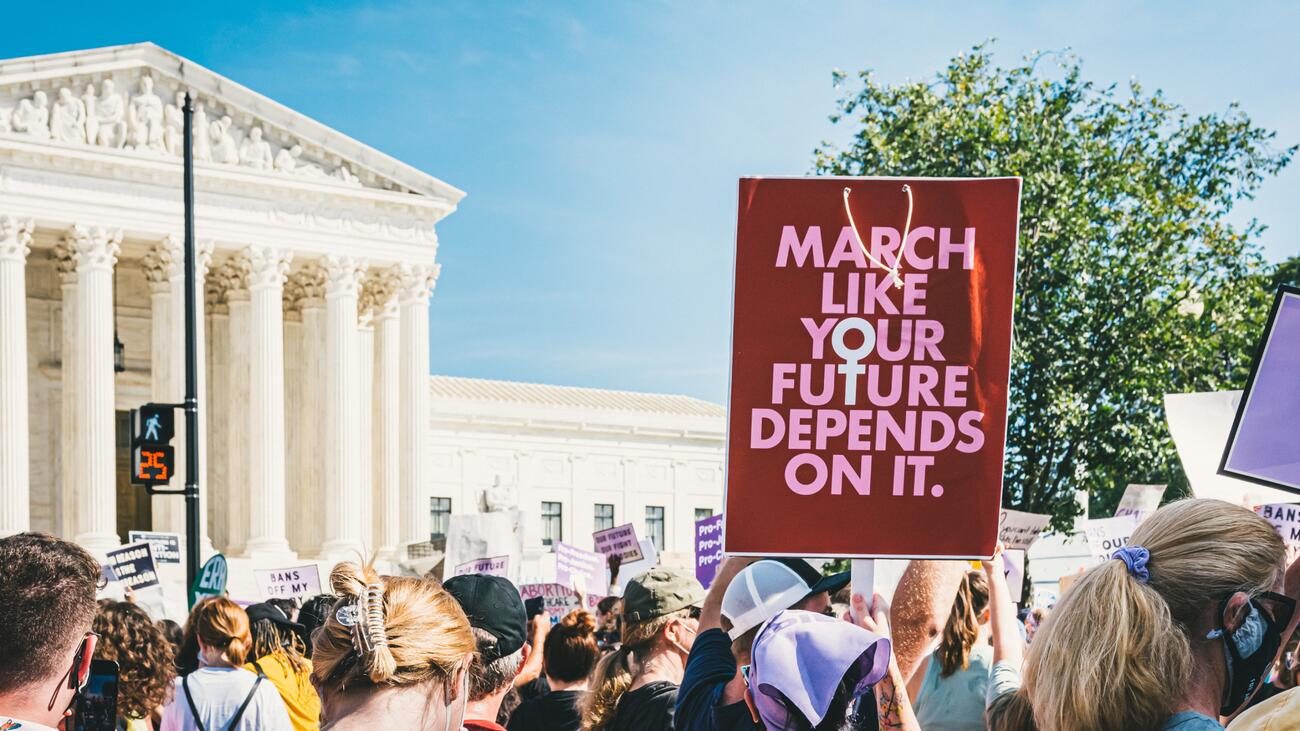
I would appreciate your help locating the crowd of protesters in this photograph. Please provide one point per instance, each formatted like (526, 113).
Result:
(1189, 627)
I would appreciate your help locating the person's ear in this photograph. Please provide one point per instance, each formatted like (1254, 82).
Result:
(749, 703)
(528, 650)
(1234, 614)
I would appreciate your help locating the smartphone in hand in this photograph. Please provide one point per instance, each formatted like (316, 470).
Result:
(97, 704)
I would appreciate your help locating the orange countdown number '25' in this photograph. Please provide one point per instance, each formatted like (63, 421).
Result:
(152, 460)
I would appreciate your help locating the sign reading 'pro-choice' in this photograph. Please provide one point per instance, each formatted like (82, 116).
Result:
(870, 356)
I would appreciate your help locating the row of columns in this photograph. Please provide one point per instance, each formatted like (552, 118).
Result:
(358, 364)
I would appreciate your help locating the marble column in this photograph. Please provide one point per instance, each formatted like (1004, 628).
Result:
(15, 245)
(176, 276)
(365, 421)
(415, 286)
(267, 268)
(167, 515)
(342, 410)
(305, 294)
(217, 490)
(96, 251)
(385, 449)
(234, 277)
(66, 263)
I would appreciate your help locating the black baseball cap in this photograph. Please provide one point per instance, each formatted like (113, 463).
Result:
(276, 615)
(493, 605)
(813, 578)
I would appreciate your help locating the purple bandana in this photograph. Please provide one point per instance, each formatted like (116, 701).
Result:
(801, 657)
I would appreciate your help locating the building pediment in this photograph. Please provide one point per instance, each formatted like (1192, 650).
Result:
(127, 100)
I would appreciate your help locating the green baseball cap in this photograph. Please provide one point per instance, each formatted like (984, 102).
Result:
(660, 591)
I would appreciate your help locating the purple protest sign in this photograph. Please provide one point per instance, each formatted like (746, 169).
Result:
(619, 540)
(1264, 446)
(495, 566)
(708, 548)
(585, 570)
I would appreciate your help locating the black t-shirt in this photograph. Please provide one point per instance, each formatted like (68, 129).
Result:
(648, 708)
(709, 668)
(559, 710)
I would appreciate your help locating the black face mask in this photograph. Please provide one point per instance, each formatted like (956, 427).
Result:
(1248, 654)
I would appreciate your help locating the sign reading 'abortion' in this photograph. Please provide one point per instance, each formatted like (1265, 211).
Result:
(871, 352)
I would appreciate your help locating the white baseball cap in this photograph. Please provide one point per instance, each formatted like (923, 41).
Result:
(759, 592)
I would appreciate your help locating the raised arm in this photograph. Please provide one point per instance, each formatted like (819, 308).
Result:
(893, 705)
(1007, 645)
(922, 603)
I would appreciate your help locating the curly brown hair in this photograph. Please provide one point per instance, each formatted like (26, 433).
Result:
(144, 657)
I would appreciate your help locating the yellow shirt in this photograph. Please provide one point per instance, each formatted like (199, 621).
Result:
(295, 689)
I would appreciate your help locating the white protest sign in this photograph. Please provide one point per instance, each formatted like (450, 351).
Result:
(1108, 535)
(1140, 501)
(620, 540)
(1020, 530)
(629, 571)
(495, 566)
(1199, 424)
(557, 599)
(293, 582)
(1285, 518)
(1013, 567)
(471, 537)
(166, 546)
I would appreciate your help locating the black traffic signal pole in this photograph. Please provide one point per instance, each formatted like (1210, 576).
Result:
(191, 365)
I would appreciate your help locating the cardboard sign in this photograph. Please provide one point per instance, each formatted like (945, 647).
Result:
(294, 582)
(865, 415)
(166, 546)
(1019, 530)
(211, 580)
(620, 540)
(1264, 443)
(1140, 501)
(708, 548)
(1108, 535)
(1285, 518)
(557, 599)
(133, 565)
(495, 566)
(585, 571)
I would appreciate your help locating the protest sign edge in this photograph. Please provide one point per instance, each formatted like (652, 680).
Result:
(731, 362)
(1261, 350)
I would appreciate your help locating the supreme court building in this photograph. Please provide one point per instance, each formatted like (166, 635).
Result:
(322, 433)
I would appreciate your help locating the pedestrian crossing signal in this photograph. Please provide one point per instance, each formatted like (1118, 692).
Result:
(153, 459)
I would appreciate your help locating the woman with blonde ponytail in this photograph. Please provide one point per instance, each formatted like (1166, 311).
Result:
(1172, 633)
(221, 695)
(950, 685)
(393, 653)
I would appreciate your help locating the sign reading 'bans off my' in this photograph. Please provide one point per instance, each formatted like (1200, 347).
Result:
(869, 369)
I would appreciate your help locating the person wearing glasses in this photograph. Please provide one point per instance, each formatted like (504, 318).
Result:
(1175, 632)
(635, 687)
(47, 599)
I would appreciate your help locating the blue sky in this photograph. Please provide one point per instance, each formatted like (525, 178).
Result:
(600, 142)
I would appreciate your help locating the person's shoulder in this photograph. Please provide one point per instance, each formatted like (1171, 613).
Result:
(1190, 721)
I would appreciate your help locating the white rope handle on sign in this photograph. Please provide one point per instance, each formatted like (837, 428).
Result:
(907, 229)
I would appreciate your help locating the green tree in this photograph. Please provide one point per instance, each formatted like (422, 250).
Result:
(1131, 282)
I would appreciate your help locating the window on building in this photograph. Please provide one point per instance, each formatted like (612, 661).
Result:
(552, 523)
(654, 525)
(702, 513)
(604, 516)
(440, 514)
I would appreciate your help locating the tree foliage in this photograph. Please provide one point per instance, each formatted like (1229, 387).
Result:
(1131, 282)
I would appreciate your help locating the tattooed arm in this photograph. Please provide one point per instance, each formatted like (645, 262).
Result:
(893, 707)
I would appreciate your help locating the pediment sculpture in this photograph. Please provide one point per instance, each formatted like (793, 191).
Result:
(140, 120)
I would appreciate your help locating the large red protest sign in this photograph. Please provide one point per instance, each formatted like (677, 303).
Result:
(869, 369)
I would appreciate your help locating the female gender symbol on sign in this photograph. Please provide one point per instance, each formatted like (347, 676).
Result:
(852, 367)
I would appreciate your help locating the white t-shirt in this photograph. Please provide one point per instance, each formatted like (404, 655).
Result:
(218, 693)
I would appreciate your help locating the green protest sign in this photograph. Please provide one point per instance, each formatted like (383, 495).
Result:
(211, 580)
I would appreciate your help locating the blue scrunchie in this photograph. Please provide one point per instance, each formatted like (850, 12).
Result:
(1135, 558)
